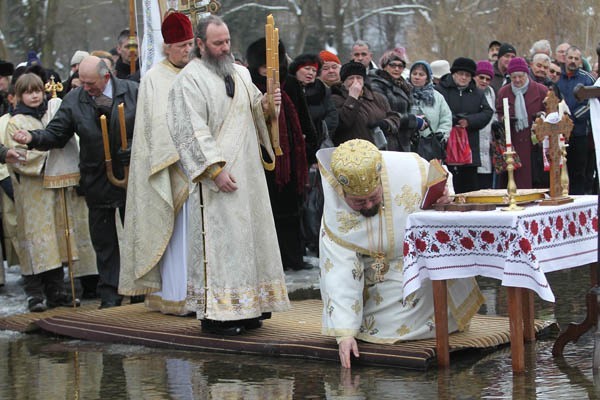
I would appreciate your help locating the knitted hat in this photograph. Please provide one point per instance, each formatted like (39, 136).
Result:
(176, 28)
(464, 64)
(506, 48)
(303, 60)
(352, 68)
(440, 68)
(329, 56)
(494, 43)
(32, 58)
(6, 68)
(425, 66)
(485, 67)
(78, 57)
(517, 64)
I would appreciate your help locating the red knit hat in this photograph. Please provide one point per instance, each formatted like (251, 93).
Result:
(176, 28)
(329, 56)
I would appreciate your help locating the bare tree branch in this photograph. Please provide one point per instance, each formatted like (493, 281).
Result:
(384, 9)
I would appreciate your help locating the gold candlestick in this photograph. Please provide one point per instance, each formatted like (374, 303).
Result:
(511, 188)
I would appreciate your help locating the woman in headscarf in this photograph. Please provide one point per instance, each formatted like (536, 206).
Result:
(428, 102)
(525, 102)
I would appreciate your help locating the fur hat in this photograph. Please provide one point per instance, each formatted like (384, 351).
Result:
(494, 43)
(506, 48)
(78, 57)
(305, 59)
(517, 64)
(329, 56)
(440, 68)
(176, 28)
(352, 68)
(256, 56)
(6, 68)
(397, 54)
(485, 67)
(464, 64)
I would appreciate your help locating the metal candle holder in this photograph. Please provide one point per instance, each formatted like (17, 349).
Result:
(512, 186)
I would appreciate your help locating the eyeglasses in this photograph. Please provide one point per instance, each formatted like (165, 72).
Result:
(396, 65)
(484, 78)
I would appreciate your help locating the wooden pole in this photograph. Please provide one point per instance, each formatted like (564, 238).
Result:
(132, 37)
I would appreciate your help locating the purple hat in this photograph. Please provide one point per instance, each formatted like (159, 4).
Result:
(485, 67)
(517, 64)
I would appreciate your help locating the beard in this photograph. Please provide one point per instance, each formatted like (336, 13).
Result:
(370, 212)
(221, 65)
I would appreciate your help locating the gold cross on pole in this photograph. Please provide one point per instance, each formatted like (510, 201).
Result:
(545, 129)
(52, 87)
(193, 8)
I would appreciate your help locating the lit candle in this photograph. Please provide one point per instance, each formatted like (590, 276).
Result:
(507, 123)
(105, 137)
(121, 108)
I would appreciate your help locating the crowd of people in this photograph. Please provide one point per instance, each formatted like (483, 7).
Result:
(213, 206)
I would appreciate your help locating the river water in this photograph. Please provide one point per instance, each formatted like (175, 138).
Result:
(37, 366)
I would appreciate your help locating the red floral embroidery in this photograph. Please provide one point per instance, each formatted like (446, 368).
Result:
(534, 227)
(572, 228)
(525, 245)
(435, 248)
(442, 237)
(548, 233)
(595, 223)
(406, 248)
(582, 218)
(467, 243)
(559, 223)
(421, 245)
(488, 237)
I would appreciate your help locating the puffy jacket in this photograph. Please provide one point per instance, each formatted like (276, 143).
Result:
(78, 114)
(468, 103)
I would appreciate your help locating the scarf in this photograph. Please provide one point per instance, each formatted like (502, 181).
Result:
(520, 110)
(424, 94)
(36, 113)
(291, 141)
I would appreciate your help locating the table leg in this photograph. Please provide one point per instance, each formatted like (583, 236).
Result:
(440, 307)
(528, 315)
(515, 315)
(574, 330)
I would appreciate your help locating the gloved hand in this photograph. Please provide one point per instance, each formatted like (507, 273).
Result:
(382, 124)
(124, 156)
(420, 123)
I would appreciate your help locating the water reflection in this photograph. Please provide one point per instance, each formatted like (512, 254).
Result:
(38, 366)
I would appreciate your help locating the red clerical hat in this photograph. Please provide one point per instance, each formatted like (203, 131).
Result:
(176, 28)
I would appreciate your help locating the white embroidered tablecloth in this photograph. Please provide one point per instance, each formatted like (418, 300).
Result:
(516, 247)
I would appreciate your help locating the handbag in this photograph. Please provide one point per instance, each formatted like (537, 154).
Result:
(327, 141)
(499, 148)
(458, 150)
(429, 147)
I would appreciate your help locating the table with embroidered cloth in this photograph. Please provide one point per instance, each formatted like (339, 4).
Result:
(516, 247)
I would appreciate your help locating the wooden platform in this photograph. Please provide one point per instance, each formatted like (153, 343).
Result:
(293, 334)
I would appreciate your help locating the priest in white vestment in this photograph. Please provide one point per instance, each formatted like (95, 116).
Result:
(154, 256)
(368, 197)
(215, 117)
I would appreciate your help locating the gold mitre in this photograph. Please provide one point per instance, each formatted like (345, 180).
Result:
(356, 165)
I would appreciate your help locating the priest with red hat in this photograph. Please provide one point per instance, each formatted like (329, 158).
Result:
(153, 258)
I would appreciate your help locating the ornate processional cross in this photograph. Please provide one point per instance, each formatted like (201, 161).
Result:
(545, 129)
(193, 8)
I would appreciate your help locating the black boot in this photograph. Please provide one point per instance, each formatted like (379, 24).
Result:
(223, 328)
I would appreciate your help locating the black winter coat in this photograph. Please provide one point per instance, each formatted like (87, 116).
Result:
(468, 103)
(321, 109)
(78, 114)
